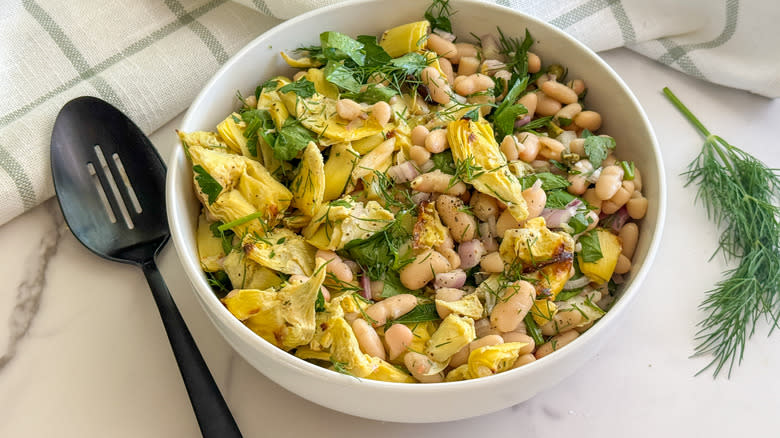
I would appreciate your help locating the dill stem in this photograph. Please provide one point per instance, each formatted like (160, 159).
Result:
(687, 113)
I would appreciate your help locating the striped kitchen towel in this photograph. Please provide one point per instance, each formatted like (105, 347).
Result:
(150, 57)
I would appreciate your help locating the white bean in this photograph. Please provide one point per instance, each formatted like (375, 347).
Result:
(368, 339)
(398, 338)
(391, 308)
(516, 300)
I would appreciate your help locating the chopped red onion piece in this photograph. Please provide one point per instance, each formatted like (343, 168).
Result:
(576, 284)
(444, 34)
(470, 253)
(365, 284)
(403, 172)
(519, 123)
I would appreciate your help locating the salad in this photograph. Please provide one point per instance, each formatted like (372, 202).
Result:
(415, 207)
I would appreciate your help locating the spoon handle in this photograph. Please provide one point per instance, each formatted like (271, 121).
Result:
(211, 411)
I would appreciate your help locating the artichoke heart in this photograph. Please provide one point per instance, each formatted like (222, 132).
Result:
(454, 333)
(410, 37)
(467, 306)
(428, 230)
(534, 244)
(318, 114)
(281, 250)
(474, 148)
(263, 191)
(493, 359)
(321, 85)
(339, 222)
(304, 62)
(284, 318)
(210, 249)
(231, 130)
(345, 350)
(204, 139)
(245, 273)
(600, 271)
(224, 168)
(309, 184)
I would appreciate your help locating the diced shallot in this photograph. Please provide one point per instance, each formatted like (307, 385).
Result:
(576, 284)
(618, 219)
(420, 197)
(444, 34)
(403, 172)
(454, 279)
(555, 217)
(365, 284)
(470, 253)
(522, 121)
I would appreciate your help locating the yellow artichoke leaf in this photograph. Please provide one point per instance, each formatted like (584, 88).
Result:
(321, 85)
(245, 273)
(231, 206)
(304, 62)
(454, 333)
(284, 318)
(534, 244)
(475, 150)
(469, 306)
(318, 114)
(308, 186)
(231, 130)
(281, 250)
(224, 168)
(210, 249)
(339, 222)
(428, 230)
(406, 38)
(263, 191)
(204, 139)
(493, 359)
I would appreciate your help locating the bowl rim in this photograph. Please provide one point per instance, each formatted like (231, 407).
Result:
(287, 360)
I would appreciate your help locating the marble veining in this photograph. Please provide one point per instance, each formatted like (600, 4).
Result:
(30, 289)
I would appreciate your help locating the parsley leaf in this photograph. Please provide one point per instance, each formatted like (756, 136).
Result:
(444, 162)
(302, 87)
(472, 115)
(579, 223)
(393, 285)
(336, 46)
(375, 54)
(258, 122)
(226, 236)
(337, 74)
(272, 84)
(506, 113)
(411, 63)
(292, 138)
(208, 185)
(568, 294)
(549, 181)
(591, 247)
(558, 199)
(533, 330)
(597, 148)
(372, 95)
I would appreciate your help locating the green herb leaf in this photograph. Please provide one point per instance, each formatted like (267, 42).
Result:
(506, 113)
(219, 282)
(208, 185)
(568, 294)
(372, 95)
(516, 51)
(380, 253)
(226, 236)
(563, 122)
(319, 303)
(337, 74)
(533, 330)
(541, 122)
(549, 181)
(375, 54)
(393, 286)
(258, 123)
(438, 14)
(591, 247)
(292, 138)
(597, 148)
(472, 115)
(411, 63)
(579, 223)
(444, 162)
(420, 313)
(270, 84)
(558, 199)
(336, 47)
(302, 87)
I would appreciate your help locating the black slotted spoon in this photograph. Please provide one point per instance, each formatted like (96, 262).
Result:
(110, 184)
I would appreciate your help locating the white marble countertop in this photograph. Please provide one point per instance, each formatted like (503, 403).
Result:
(83, 352)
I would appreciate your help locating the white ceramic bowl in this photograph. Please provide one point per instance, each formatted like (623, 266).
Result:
(624, 119)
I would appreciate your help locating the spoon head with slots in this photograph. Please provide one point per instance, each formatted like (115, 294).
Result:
(109, 180)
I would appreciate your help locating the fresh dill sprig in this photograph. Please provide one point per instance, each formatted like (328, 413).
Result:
(740, 193)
